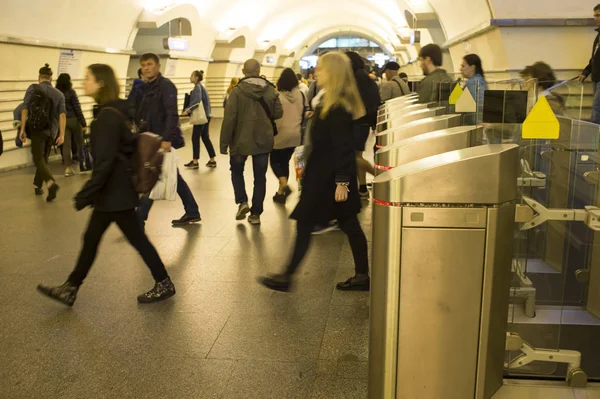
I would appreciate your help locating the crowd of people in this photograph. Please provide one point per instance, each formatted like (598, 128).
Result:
(331, 114)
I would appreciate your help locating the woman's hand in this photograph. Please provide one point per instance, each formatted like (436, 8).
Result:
(341, 193)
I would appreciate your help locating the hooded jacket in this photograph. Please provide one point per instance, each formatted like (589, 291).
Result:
(246, 128)
(429, 87)
(290, 125)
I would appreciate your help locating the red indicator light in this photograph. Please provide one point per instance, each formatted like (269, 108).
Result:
(386, 203)
(382, 167)
(378, 146)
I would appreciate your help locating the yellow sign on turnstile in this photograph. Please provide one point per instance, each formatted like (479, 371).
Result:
(541, 123)
(456, 93)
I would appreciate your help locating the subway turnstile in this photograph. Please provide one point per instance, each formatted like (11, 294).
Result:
(391, 113)
(417, 127)
(402, 118)
(426, 145)
(442, 253)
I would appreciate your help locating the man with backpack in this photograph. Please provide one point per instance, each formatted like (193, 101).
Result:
(248, 130)
(395, 86)
(43, 120)
(157, 112)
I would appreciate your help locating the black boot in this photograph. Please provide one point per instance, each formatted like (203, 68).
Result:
(277, 282)
(66, 293)
(161, 291)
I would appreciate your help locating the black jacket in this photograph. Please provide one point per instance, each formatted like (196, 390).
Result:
(111, 187)
(593, 67)
(331, 160)
(369, 92)
(157, 110)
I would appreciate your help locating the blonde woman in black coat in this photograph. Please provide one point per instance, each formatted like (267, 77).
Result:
(330, 189)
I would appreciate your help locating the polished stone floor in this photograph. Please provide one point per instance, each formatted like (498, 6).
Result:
(221, 336)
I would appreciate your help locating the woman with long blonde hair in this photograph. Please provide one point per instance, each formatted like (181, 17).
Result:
(234, 82)
(330, 190)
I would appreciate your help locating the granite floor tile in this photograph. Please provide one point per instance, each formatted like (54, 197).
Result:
(347, 334)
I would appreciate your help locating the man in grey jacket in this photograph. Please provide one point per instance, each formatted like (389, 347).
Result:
(437, 83)
(395, 86)
(248, 130)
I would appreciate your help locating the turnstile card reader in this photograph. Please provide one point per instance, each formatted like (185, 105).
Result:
(404, 118)
(417, 127)
(426, 145)
(442, 254)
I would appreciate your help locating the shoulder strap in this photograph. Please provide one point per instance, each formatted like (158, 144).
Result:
(400, 86)
(263, 104)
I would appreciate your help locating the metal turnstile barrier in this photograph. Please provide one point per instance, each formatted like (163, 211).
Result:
(442, 253)
(402, 109)
(415, 128)
(426, 145)
(401, 119)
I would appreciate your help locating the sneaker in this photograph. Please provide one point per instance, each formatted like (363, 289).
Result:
(192, 165)
(66, 293)
(243, 210)
(185, 219)
(38, 191)
(323, 229)
(364, 195)
(356, 283)
(279, 198)
(69, 172)
(276, 282)
(254, 220)
(52, 190)
(212, 164)
(287, 191)
(161, 291)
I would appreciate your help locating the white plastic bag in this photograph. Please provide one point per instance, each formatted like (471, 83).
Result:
(166, 186)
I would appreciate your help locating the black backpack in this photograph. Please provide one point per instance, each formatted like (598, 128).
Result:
(40, 111)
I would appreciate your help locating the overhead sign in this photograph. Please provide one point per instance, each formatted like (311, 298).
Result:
(69, 62)
(174, 43)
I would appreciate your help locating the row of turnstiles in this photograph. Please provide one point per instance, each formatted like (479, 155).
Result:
(444, 212)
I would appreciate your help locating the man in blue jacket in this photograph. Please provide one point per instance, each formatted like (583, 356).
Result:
(157, 113)
(593, 69)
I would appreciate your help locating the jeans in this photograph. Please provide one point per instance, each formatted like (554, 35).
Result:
(41, 144)
(128, 223)
(280, 162)
(202, 131)
(260, 164)
(351, 227)
(73, 135)
(596, 104)
(184, 192)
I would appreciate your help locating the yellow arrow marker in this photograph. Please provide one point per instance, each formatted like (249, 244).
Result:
(456, 93)
(466, 103)
(541, 123)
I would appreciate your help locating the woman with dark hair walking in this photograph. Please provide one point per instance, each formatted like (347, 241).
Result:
(289, 129)
(200, 95)
(472, 70)
(110, 191)
(76, 124)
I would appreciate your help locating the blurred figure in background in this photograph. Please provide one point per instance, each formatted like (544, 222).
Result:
(289, 128)
(302, 86)
(541, 76)
(395, 86)
(234, 82)
(76, 123)
(200, 95)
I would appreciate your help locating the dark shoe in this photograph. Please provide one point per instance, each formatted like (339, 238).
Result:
(161, 291)
(185, 219)
(287, 191)
(212, 164)
(279, 198)
(38, 191)
(356, 283)
(254, 220)
(192, 165)
(243, 210)
(277, 282)
(66, 293)
(52, 190)
(324, 229)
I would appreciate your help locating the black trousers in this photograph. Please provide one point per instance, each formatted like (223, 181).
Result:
(202, 131)
(41, 144)
(351, 227)
(131, 228)
(280, 162)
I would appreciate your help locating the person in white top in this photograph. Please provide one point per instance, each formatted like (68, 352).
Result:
(289, 129)
(301, 85)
